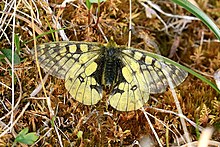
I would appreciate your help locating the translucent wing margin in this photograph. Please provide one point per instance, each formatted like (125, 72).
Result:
(74, 62)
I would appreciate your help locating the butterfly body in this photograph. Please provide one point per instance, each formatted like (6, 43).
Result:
(128, 74)
(109, 65)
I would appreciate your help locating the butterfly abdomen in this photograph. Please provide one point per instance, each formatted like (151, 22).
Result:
(110, 72)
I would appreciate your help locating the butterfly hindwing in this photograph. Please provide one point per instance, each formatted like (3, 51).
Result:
(82, 84)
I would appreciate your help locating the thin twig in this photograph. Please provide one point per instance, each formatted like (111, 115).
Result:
(16, 120)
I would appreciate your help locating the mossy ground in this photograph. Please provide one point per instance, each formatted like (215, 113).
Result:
(101, 125)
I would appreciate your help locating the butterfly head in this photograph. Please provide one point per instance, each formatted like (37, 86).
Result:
(111, 43)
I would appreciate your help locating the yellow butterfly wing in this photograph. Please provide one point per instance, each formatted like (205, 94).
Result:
(142, 74)
(132, 91)
(74, 62)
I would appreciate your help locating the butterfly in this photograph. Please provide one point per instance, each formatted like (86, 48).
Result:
(89, 69)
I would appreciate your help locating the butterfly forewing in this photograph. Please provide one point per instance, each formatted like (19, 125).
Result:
(57, 58)
(152, 71)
